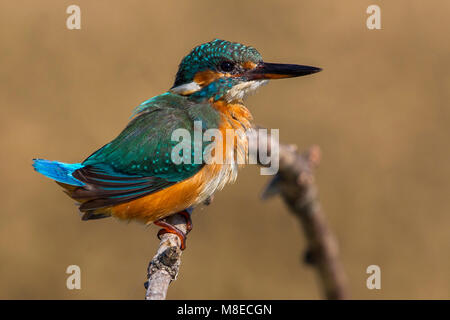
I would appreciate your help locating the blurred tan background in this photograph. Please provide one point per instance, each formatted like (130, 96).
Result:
(379, 111)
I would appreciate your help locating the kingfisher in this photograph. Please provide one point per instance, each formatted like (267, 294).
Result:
(134, 177)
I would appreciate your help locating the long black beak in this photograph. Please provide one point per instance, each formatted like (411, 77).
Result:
(279, 71)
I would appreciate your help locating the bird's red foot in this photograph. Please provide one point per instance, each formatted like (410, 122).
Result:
(187, 215)
(169, 228)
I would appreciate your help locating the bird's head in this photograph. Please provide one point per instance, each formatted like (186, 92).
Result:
(228, 70)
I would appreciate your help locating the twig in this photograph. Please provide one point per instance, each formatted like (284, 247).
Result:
(164, 266)
(295, 183)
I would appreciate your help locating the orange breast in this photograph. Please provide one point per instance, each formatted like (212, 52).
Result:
(236, 117)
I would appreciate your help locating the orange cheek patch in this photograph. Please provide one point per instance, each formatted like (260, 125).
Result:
(203, 78)
(249, 65)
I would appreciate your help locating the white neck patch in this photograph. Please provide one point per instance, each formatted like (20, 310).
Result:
(239, 91)
(186, 88)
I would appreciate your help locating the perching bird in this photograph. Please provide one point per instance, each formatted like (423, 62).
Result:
(134, 177)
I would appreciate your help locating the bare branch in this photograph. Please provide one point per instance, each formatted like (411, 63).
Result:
(295, 183)
(164, 266)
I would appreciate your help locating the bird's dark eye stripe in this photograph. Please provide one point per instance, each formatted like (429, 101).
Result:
(227, 66)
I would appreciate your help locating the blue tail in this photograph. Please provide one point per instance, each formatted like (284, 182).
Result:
(59, 171)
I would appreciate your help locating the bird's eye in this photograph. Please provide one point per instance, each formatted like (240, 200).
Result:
(227, 66)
